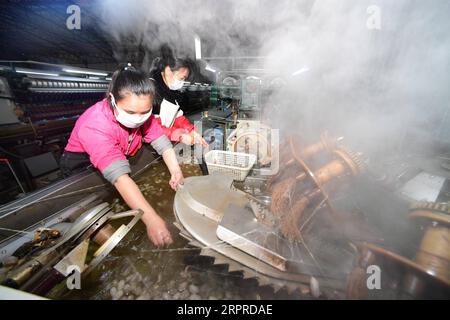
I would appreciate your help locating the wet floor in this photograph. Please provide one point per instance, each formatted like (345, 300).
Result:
(136, 269)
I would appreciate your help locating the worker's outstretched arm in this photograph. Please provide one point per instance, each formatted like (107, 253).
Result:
(156, 227)
(171, 162)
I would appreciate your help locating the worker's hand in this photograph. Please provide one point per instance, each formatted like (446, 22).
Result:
(157, 231)
(176, 179)
(187, 138)
(192, 138)
(199, 139)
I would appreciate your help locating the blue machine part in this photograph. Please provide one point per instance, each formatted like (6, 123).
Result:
(214, 137)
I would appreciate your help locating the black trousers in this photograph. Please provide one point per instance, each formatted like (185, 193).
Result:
(73, 162)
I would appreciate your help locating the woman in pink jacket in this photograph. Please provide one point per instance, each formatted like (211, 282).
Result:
(112, 130)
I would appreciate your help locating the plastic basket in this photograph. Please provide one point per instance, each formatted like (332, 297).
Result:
(234, 164)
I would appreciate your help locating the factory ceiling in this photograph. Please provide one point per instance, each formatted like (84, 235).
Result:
(37, 30)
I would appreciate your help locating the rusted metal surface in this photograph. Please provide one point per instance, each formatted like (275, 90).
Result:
(278, 240)
(104, 234)
(296, 188)
(431, 263)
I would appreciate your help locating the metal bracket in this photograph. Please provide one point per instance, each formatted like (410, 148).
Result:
(112, 242)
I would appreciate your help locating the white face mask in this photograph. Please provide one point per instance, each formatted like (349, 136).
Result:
(130, 120)
(176, 84)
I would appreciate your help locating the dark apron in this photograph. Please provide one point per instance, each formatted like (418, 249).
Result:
(73, 162)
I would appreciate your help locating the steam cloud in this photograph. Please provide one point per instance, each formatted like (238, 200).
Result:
(373, 86)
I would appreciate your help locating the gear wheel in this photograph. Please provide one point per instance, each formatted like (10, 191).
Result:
(352, 159)
(443, 207)
(329, 288)
(303, 288)
(198, 217)
(431, 211)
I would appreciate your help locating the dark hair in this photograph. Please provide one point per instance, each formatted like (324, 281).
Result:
(168, 59)
(129, 79)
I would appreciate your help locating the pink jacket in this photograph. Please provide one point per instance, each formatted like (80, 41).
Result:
(105, 140)
(181, 125)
